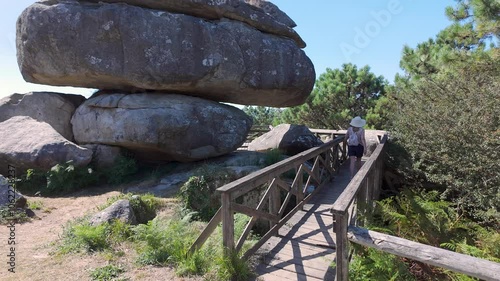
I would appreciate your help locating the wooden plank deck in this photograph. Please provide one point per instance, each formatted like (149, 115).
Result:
(304, 248)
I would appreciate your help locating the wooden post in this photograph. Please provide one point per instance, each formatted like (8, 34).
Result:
(361, 203)
(377, 181)
(227, 222)
(370, 186)
(342, 246)
(274, 203)
(300, 186)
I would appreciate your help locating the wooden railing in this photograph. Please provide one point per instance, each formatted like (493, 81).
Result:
(255, 132)
(358, 198)
(315, 166)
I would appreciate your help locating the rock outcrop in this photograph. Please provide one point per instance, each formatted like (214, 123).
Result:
(27, 143)
(130, 48)
(161, 127)
(120, 210)
(289, 139)
(53, 108)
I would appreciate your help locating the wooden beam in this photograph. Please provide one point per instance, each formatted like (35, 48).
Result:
(274, 204)
(472, 266)
(251, 223)
(251, 212)
(209, 229)
(342, 247)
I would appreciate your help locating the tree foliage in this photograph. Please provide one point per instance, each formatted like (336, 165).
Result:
(262, 115)
(473, 34)
(338, 96)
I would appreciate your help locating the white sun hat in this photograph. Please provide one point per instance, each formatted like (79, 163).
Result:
(358, 122)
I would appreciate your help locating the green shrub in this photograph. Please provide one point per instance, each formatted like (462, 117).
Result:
(66, 177)
(273, 156)
(167, 242)
(106, 273)
(371, 264)
(449, 126)
(122, 170)
(421, 216)
(231, 267)
(163, 241)
(198, 194)
(32, 181)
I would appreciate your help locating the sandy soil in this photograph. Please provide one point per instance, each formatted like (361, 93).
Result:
(37, 240)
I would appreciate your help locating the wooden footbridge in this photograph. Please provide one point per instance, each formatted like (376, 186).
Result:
(311, 240)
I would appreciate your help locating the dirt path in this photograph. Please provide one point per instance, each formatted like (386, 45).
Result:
(37, 239)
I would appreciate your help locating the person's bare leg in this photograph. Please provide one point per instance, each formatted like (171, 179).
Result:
(352, 163)
(358, 164)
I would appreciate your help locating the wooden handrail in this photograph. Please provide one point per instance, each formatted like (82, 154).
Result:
(345, 199)
(361, 187)
(472, 266)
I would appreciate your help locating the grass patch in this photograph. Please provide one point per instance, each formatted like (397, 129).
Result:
(167, 241)
(106, 273)
(80, 236)
(163, 241)
(35, 205)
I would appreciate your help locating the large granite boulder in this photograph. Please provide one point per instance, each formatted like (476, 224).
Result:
(259, 14)
(129, 48)
(103, 156)
(161, 127)
(27, 143)
(53, 108)
(289, 139)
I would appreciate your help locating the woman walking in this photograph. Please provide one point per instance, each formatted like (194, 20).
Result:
(355, 138)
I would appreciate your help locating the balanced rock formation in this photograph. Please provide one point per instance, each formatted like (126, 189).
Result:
(289, 139)
(53, 108)
(161, 127)
(116, 46)
(27, 143)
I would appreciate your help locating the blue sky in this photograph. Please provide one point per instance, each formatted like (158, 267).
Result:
(363, 32)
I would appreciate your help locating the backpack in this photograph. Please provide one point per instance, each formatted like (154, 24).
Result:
(353, 138)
